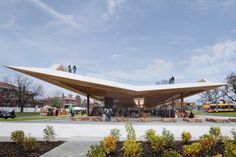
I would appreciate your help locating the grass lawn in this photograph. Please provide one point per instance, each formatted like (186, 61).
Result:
(27, 118)
(226, 114)
(27, 114)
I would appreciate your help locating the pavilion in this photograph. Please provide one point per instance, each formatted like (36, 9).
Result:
(114, 93)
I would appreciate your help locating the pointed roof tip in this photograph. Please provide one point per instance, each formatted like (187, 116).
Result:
(16, 68)
(7, 66)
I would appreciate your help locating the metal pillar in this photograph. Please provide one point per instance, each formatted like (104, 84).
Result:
(88, 104)
(182, 104)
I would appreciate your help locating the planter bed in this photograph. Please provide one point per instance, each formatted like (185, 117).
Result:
(12, 149)
(217, 120)
(178, 146)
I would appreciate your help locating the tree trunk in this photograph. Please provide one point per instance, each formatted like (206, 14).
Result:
(21, 107)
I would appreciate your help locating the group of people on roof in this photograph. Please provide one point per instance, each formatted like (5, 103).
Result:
(72, 70)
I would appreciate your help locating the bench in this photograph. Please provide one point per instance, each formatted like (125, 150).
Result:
(217, 120)
(80, 119)
(97, 119)
(121, 119)
(193, 120)
(232, 119)
(169, 120)
(144, 120)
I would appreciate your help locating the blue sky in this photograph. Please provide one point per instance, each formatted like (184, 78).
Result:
(139, 41)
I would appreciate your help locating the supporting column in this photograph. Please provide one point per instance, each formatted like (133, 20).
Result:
(88, 104)
(173, 103)
(182, 104)
(173, 108)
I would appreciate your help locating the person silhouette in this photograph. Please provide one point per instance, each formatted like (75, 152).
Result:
(69, 69)
(74, 69)
(173, 80)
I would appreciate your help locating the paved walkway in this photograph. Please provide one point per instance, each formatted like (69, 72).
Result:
(74, 147)
(101, 129)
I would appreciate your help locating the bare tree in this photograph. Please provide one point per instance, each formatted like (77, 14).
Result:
(26, 90)
(230, 89)
(55, 102)
(212, 96)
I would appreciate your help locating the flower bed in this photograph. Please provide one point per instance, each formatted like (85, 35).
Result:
(27, 146)
(12, 149)
(212, 144)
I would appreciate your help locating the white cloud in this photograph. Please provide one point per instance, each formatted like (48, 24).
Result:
(157, 69)
(10, 23)
(212, 60)
(112, 6)
(68, 19)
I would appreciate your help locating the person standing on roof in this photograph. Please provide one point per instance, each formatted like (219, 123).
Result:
(69, 69)
(74, 69)
(173, 79)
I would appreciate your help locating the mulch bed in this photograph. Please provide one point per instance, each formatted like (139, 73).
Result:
(178, 146)
(12, 149)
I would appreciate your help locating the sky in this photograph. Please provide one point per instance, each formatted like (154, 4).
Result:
(129, 41)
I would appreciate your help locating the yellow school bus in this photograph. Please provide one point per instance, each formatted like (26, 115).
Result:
(218, 108)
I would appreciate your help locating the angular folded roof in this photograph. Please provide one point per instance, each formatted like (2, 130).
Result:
(123, 94)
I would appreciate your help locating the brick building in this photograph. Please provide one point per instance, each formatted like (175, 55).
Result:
(9, 98)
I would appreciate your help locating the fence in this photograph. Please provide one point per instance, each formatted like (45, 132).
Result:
(17, 109)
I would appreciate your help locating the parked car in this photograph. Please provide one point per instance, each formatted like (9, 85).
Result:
(7, 114)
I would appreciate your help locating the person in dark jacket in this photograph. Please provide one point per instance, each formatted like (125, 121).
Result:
(74, 69)
(109, 114)
(69, 69)
(191, 115)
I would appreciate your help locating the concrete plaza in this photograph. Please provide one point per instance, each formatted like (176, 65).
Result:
(65, 128)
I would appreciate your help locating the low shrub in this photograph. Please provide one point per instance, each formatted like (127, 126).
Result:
(230, 149)
(18, 136)
(158, 143)
(171, 154)
(132, 148)
(215, 131)
(224, 139)
(186, 137)
(29, 144)
(192, 150)
(207, 142)
(49, 133)
(130, 131)
(108, 144)
(95, 151)
(168, 138)
(149, 134)
(233, 132)
(115, 133)
(155, 140)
